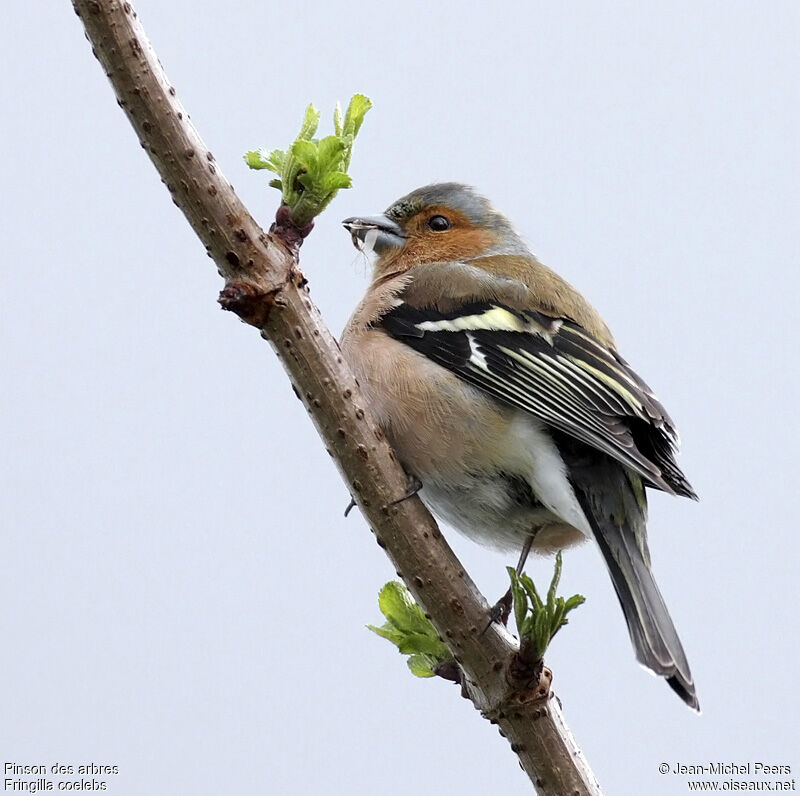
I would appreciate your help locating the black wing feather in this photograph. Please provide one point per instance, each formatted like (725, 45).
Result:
(555, 370)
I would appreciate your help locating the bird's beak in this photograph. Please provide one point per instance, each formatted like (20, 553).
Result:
(374, 233)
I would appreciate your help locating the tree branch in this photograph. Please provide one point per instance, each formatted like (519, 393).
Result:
(266, 288)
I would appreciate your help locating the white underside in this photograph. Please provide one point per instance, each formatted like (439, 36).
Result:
(478, 505)
(547, 473)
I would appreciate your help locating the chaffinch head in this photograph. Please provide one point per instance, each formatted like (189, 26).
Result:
(501, 390)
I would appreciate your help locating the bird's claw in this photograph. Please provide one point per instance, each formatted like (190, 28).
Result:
(414, 486)
(500, 611)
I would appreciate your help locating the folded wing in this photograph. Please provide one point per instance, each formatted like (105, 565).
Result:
(554, 369)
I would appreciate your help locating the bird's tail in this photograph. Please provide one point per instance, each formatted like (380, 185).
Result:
(616, 511)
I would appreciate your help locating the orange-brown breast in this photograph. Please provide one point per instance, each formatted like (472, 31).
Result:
(436, 423)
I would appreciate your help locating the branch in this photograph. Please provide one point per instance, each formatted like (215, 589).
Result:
(266, 288)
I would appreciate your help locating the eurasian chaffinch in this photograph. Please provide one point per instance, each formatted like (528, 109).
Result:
(502, 392)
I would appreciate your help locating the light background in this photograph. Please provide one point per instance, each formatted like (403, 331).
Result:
(180, 593)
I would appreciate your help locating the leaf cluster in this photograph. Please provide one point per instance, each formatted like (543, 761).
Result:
(539, 620)
(312, 170)
(407, 627)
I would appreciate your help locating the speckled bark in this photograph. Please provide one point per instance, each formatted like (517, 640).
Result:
(266, 288)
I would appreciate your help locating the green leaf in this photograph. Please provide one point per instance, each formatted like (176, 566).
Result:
(306, 153)
(261, 159)
(412, 643)
(422, 665)
(310, 123)
(338, 124)
(518, 597)
(574, 602)
(308, 180)
(537, 621)
(354, 116)
(388, 632)
(525, 630)
(312, 170)
(558, 616)
(541, 632)
(330, 151)
(409, 630)
(530, 588)
(551, 593)
(398, 606)
(257, 159)
(335, 180)
(254, 159)
(422, 643)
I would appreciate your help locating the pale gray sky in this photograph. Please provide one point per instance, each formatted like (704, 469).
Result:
(181, 594)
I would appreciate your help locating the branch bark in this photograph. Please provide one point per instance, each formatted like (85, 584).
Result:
(266, 288)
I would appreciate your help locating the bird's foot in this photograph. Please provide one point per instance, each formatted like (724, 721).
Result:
(414, 486)
(500, 611)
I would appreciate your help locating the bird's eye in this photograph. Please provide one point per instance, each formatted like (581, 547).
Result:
(438, 223)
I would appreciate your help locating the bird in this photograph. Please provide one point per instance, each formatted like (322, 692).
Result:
(501, 390)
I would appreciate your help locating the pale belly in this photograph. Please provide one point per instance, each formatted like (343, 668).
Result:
(488, 470)
(493, 510)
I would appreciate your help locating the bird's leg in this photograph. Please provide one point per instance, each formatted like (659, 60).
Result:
(414, 485)
(501, 610)
(526, 549)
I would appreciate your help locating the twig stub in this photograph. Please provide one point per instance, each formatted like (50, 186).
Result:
(287, 231)
(250, 303)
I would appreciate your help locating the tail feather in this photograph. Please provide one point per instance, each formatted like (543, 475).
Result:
(651, 629)
(617, 517)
